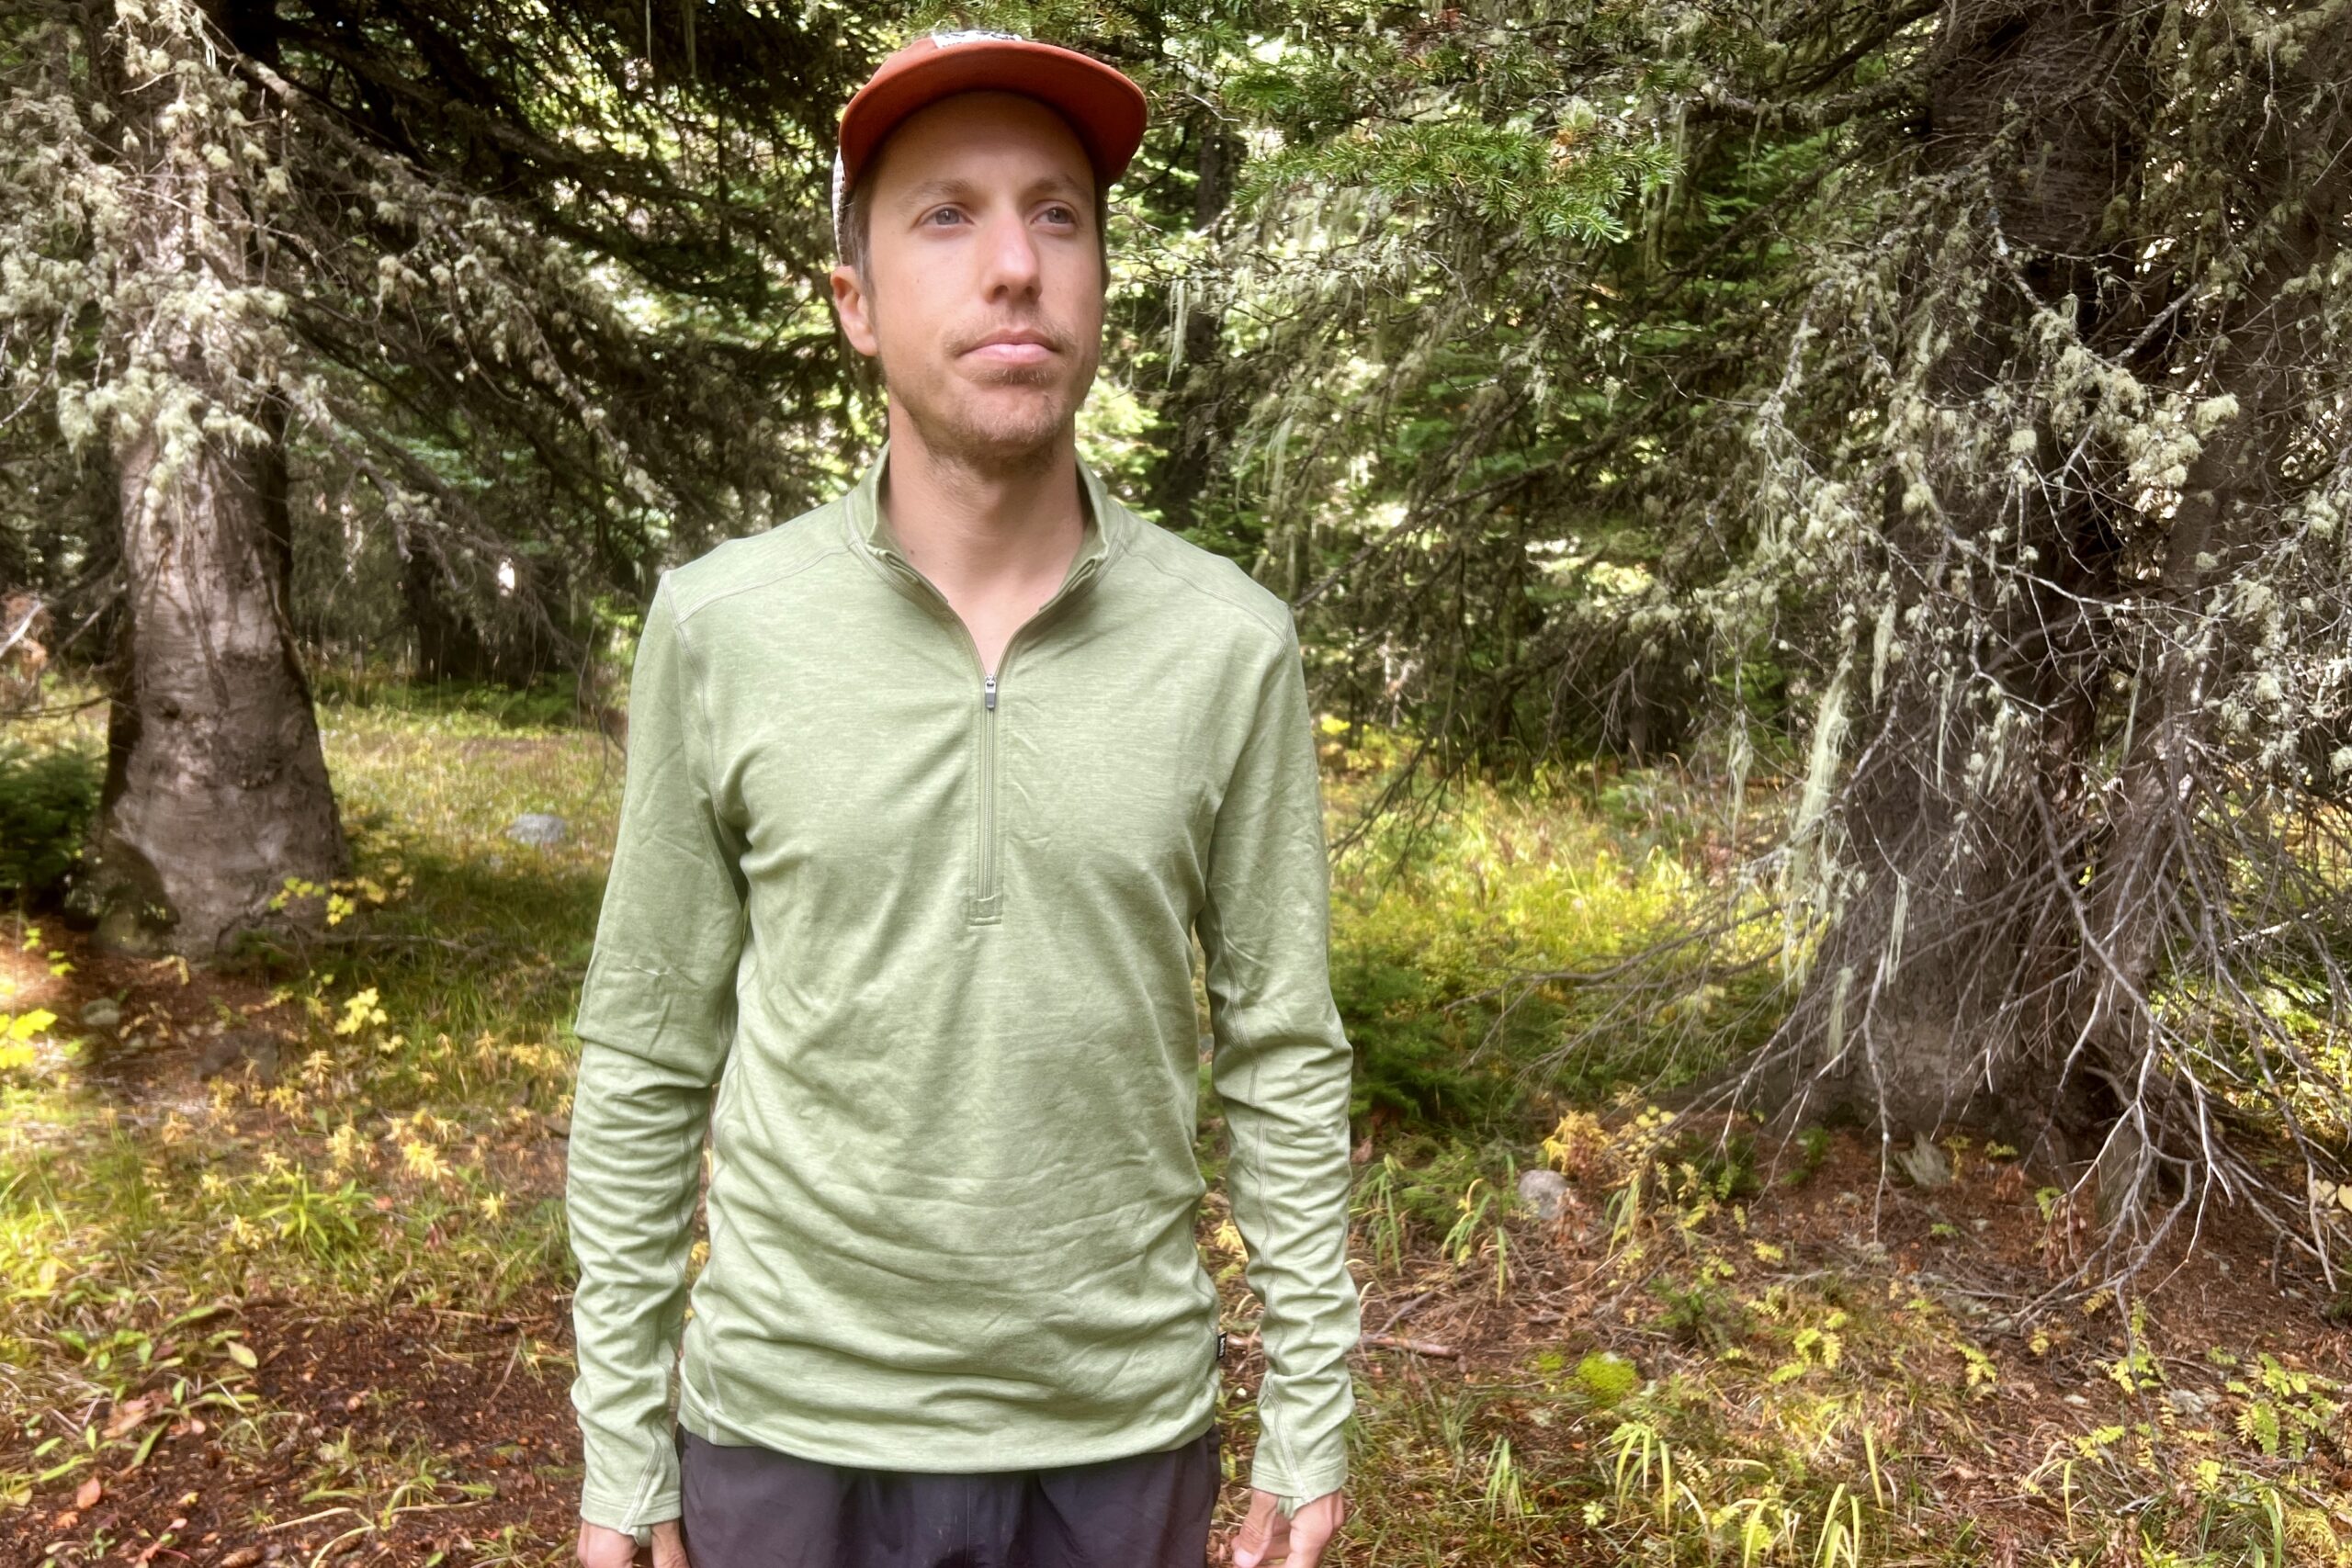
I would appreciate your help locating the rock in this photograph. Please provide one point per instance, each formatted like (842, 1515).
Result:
(539, 828)
(105, 1013)
(230, 1052)
(1924, 1163)
(1543, 1194)
(2188, 1402)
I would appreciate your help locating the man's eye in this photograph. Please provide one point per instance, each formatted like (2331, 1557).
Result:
(1060, 214)
(947, 212)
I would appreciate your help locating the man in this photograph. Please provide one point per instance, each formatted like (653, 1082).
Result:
(929, 792)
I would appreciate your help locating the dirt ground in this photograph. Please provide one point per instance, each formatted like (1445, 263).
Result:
(396, 1377)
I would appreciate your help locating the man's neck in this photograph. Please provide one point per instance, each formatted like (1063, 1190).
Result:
(977, 531)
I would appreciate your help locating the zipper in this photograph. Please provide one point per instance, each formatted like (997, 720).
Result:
(981, 906)
(984, 893)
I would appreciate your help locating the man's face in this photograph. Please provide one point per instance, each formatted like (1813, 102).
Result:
(983, 292)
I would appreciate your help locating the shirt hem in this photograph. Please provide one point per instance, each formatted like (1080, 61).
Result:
(997, 1452)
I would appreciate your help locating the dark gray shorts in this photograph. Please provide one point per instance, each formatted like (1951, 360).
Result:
(753, 1508)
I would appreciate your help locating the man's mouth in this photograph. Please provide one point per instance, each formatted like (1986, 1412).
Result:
(1012, 348)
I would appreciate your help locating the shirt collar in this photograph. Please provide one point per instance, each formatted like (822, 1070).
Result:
(1104, 526)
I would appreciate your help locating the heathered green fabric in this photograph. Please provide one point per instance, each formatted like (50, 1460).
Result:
(924, 967)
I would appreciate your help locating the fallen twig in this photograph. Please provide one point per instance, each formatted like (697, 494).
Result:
(1417, 1347)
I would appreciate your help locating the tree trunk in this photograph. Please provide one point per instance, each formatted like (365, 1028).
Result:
(1920, 1005)
(216, 791)
(449, 644)
(2140, 898)
(1193, 408)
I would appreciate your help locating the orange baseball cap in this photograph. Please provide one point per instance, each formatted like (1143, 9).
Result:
(1103, 107)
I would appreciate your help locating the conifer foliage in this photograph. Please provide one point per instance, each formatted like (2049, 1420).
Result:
(1924, 421)
(1939, 408)
(543, 285)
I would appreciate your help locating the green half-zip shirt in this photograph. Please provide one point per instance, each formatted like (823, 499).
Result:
(914, 943)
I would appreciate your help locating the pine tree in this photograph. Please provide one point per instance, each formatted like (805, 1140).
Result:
(434, 248)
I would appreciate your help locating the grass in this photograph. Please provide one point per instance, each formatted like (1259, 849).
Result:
(328, 1312)
(1469, 954)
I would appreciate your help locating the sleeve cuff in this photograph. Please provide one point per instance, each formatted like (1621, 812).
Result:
(1293, 1492)
(638, 1523)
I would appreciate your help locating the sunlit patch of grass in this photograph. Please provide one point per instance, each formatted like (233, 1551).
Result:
(431, 1051)
(492, 934)
(1529, 949)
(409, 1148)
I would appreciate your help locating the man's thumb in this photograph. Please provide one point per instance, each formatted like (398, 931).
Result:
(669, 1546)
(1250, 1543)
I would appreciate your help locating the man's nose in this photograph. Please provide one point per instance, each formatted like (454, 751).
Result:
(1010, 258)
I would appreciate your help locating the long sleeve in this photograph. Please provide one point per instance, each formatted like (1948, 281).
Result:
(1281, 1067)
(655, 1020)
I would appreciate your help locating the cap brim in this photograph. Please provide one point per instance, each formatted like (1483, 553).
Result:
(1102, 106)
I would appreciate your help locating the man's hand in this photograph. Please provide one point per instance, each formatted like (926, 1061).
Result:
(1266, 1538)
(604, 1547)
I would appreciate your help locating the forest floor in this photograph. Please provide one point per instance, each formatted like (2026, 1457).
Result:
(284, 1260)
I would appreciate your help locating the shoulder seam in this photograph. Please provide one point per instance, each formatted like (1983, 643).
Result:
(1272, 628)
(698, 687)
(732, 589)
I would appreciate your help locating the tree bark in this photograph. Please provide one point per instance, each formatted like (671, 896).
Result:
(1193, 408)
(216, 790)
(449, 644)
(1918, 1008)
(2136, 901)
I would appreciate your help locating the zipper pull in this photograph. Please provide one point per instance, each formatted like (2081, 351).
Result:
(988, 693)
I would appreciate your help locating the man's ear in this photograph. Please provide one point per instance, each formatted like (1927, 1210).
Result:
(856, 310)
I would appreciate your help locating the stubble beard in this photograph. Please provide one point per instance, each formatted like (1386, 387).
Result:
(963, 433)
